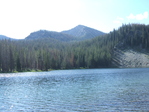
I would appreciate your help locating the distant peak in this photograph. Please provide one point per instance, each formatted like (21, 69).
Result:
(81, 26)
(83, 32)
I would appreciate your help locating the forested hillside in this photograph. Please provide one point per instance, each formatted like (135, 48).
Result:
(134, 36)
(50, 34)
(47, 53)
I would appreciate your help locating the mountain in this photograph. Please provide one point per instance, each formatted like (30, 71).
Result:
(4, 37)
(79, 32)
(127, 46)
(50, 34)
(83, 32)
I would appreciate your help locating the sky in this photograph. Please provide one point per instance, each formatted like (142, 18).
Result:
(18, 18)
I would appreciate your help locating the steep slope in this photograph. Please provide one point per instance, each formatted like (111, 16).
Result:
(50, 34)
(83, 32)
(130, 58)
(132, 47)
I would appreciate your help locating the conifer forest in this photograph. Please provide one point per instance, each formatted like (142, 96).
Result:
(49, 53)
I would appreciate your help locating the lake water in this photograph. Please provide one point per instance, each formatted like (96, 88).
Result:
(85, 90)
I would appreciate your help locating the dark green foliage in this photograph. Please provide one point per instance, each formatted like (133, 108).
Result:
(134, 36)
(48, 53)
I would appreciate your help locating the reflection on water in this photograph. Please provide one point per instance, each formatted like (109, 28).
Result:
(76, 90)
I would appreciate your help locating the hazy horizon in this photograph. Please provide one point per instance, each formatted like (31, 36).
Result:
(20, 18)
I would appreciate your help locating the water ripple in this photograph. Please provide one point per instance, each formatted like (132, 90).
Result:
(76, 91)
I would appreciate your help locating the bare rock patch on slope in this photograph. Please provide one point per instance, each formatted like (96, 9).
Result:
(130, 59)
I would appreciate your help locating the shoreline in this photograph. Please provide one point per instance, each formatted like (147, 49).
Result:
(33, 71)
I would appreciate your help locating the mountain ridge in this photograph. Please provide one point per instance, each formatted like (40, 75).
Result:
(79, 32)
(4, 37)
(83, 32)
(49, 34)
(127, 46)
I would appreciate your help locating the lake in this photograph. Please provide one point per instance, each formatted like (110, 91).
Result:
(84, 90)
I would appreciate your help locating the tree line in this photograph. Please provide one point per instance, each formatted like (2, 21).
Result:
(44, 54)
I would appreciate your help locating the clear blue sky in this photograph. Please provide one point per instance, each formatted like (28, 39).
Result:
(18, 18)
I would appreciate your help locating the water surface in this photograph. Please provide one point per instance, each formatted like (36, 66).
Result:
(87, 90)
